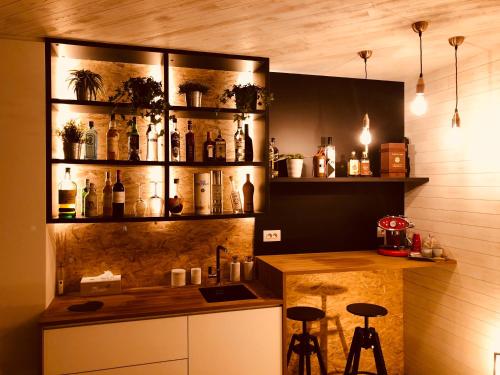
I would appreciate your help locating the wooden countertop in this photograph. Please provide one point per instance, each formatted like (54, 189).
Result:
(343, 261)
(143, 303)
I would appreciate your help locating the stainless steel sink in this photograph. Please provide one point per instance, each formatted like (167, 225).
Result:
(225, 293)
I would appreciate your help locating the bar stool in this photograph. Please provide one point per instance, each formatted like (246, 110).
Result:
(365, 338)
(307, 343)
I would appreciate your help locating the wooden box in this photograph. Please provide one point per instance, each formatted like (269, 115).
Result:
(393, 160)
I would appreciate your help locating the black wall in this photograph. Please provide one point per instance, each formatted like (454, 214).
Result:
(330, 217)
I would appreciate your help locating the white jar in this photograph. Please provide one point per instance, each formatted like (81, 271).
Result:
(294, 167)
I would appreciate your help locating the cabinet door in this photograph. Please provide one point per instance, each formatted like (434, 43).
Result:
(246, 342)
(110, 345)
(162, 368)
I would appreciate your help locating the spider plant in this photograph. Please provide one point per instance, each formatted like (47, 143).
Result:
(86, 84)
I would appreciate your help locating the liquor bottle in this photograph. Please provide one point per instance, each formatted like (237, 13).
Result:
(239, 144)
(341, 167)
(85, 191)
(190, 142)
(107, 196)
(201, 193)
(248, 145)
(235, 198)
(248, 191)
(276, 155)
(152, 139)
(217, 192)
(209, 149)
(353, 165)
(330, 158)
(319, 163)
(91, 142)
(175, 204)
(175, 142)
(155, 203)
(118, 197)
(220, 147)
(60, 279)
(112, 138)
(67, 197)
(133, 142)
(365, 165)
(91, 202)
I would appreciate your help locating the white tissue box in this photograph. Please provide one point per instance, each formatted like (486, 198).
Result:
(98, 285)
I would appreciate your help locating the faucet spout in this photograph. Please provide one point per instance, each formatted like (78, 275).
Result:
(217, 254)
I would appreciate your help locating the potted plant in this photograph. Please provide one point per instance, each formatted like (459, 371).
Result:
(247, 97)
(193, 92)
(86, 84)
(294, 164)
(72, 135)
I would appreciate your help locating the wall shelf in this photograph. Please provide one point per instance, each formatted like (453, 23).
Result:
(211, 113)
(110, 162)
(216, 164)
(89, 106)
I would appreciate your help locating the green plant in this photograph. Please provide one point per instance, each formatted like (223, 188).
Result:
(72, 132)
(189, 86)
(247, 97)
(294, 156)
(145, 95)
(86, 84)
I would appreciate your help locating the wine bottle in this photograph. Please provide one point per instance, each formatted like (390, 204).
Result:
(217, 192)
(133, 142)
(330, 158)
(152, 142)
(112, 138)
(91, 142)
(220, 147)
(190, 142)
(175, 142)
(85, 191)
(274, 152)
(91, 202)
(209, 149)
(118, 197)
(248, 145)
(107, 196)
(239, 144)
(235, 197)
(67, 197)
(248, 191)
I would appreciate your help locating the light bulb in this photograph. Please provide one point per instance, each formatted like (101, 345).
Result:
(366, 137)
(419, 105)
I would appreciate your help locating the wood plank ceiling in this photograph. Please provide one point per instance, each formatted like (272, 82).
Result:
(312, 37)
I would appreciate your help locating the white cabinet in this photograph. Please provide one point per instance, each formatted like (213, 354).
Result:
(245, 342)
(179, 367)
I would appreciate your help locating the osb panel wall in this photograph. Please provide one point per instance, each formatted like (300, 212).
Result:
(332, 292)
(144, 253)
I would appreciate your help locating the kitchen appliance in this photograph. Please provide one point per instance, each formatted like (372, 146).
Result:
(396, 241)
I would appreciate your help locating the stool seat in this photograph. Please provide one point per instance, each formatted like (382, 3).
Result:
(367, 310)
(304, 313)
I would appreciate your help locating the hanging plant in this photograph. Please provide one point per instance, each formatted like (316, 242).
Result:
(86, 84)
(247, 97)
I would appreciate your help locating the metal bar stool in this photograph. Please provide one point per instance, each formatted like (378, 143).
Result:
(307, 343)
(365, 338)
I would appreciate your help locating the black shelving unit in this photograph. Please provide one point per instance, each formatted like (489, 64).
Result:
(85, 50)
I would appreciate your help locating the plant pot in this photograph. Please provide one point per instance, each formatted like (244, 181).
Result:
(82, 93)
(71, 151)
(246, 101)
(294, 167)
(193, 98)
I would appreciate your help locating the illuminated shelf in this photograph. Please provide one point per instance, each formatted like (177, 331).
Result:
(228, 215)
(110, 162)
(356, 180)
(89, 106)
(216, 164)
(211, 113)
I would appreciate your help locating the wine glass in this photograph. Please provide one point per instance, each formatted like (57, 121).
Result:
(155, 203)
(140, 204)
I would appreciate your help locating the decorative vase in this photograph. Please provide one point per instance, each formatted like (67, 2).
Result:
(82, 93)
(71, 150)
(193, 98)
(294, 167)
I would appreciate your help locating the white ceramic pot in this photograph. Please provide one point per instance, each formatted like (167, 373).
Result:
(294, 167)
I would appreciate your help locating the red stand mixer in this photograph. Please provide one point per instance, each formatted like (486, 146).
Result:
(396, 242)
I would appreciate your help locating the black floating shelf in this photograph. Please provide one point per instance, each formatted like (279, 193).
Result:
(192, 216)
(90, 106)
(419, 180)
(110, 162)
(216, 164)
(211, 113)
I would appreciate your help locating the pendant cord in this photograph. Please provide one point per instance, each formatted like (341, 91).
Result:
(456, 79)
(420, 36)
(366, 69)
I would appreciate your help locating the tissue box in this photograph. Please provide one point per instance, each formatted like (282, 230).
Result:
(98, 286)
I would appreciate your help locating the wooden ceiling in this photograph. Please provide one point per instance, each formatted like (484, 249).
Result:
(312, 37)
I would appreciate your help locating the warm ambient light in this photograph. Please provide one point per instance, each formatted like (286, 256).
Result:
(365, 137)
(419, 104)
(496, 363)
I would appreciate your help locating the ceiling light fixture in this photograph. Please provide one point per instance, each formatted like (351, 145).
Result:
(419, 104)
(455, 42)
(366, 137)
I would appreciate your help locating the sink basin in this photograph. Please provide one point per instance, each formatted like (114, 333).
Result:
(227, 293)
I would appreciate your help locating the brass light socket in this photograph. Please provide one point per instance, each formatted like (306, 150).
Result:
(456, 41)
(455, 121)
(420, 26)
(420, 85)
(366, 54)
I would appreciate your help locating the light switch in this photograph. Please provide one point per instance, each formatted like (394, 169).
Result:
(272, 235)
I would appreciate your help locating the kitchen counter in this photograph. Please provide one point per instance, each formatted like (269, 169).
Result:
(143, 303)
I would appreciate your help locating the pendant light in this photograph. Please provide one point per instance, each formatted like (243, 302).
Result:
(455, 42)
(419, 104)
(366, 137)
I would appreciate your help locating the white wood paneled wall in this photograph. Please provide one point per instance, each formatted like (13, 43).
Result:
(452, 316)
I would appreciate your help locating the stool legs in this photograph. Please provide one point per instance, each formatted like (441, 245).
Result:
(317, 349)
(304, 350)
(377, 353)
(364, 339)
(290, 348)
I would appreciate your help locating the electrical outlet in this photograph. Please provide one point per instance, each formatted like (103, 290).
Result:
(272, 235)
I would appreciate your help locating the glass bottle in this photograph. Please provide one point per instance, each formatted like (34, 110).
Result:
(341, 167)
(175, 142)
(175, 204)
(112, 137)
(239, 144)
(85, 191)
(60, 279)
(107, 196)
(152, 142)
(248, 190)
(217, 192)
(190, 142)
(209, 149)
(140, 204)
(91, 202)
(330, 158)
(155, 203)
(91, 142)
(248, 145)
(118, 197)
(353, 165)
(67, 197)
(276, 156)
(220, 147)
(235, 198)
(365, 165)
(133, 142)
(319, 163)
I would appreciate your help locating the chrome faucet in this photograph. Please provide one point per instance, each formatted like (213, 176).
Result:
(217, 259)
